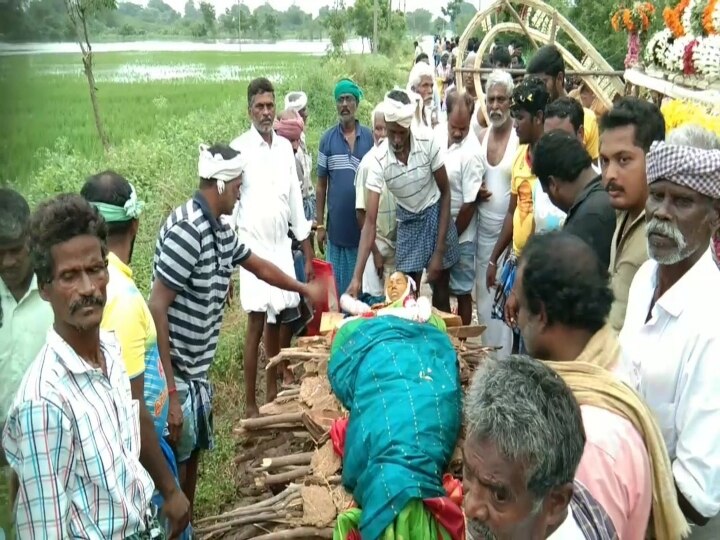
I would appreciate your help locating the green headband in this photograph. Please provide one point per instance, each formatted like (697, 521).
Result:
(346, 86)
(118, 214)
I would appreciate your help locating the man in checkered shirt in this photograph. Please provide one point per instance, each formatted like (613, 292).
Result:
(72, 433)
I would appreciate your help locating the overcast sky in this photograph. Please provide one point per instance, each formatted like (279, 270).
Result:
(311, 6)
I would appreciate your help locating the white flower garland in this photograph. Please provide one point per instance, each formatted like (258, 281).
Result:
(706, 57)
(715, 17)
(675, 54)
(657, 47)
(685, 17)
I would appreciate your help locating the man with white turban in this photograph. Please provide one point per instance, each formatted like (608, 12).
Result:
(297, 101)
(192, 270)
(411, 163)
(270, 204)
(422, 82)
(670, 333)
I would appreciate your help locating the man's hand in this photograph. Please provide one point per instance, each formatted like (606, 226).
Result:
(354, 288)
(511, 310)
(175, 419)
(379, 263)
(484, 194)
(434, 268)
(491, 276)
(320, 236)
(316, 292)
(176, 509)
(309, 271)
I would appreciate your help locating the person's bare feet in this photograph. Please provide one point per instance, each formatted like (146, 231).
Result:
(251, 411)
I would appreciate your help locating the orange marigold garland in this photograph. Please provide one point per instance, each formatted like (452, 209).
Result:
(709, 16)
(673, 18)
(637, 18)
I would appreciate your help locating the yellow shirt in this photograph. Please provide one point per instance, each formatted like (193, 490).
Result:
(128, 316)
(592, 134)
(521, 185)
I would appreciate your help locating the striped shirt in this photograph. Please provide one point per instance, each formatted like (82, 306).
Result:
(413, 184)
(339, 165)
(73, 438)
(195, 255)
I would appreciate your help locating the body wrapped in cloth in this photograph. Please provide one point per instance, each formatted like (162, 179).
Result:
(400, 381)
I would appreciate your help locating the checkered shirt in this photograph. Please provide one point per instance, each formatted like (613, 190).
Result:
(73, 438)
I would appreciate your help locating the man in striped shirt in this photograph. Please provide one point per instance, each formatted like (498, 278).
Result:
(195, 256)
(72, 433)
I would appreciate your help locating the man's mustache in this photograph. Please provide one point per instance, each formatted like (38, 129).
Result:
(666, 229)
(86, 301)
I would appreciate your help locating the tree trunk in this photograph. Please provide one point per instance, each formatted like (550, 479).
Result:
(375, 27)
(87, 64)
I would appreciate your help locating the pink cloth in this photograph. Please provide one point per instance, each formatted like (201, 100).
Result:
(615, 468)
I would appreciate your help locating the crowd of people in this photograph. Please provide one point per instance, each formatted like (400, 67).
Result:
(584, 243)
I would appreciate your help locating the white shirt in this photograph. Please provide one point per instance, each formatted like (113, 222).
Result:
(270, 194)
(677, 353)
(568, 529)
(465, 169)
(498, 177)
(413, 184)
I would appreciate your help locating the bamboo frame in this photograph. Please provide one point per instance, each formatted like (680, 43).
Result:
(541, 24)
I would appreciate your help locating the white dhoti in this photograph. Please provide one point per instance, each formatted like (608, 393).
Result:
(711, 531)
(257, 295)
(371, 283)
(498, 334)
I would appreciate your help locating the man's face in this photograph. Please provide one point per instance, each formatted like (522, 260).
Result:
(527, 126)
(77, 289)
(564, 124)
(425, 89)
(230, 196)
(469, 84)
(444, 61)
(346, 107)
(458, 125)
(587, 97)
(498, 105)
(378, 128)
(303, 114)
(554, 85)
(15, 266)
(623, 168)
(398, 137)
(496, 500)
(680, 222)
(262, 112)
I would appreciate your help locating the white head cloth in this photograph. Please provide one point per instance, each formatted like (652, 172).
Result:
(400, 113)
(418, 71)
(217, 168)
(296, 101)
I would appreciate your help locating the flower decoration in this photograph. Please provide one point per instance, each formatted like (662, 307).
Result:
(711, 17)
(673, 18)
(657, 47)
(685, 18)
(678, 112)
(675, 54)
(637, 18)
(706, 58)
(688, 67)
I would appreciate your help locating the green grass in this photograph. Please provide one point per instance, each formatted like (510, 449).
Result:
(49, 145)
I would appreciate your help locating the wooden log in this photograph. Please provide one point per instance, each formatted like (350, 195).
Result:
(291, 492)
(284, 478)
(243, 520)
(294, 354)
(301, 532)
(250, 424)
(284, 461)
(464, 332)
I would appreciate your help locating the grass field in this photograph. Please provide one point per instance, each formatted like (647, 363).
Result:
(155, 126)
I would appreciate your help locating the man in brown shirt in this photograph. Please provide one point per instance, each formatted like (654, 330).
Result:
(626, 133)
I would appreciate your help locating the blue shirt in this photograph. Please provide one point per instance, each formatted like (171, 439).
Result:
(339, 165)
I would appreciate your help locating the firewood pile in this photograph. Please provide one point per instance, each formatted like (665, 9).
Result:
(288, 471)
